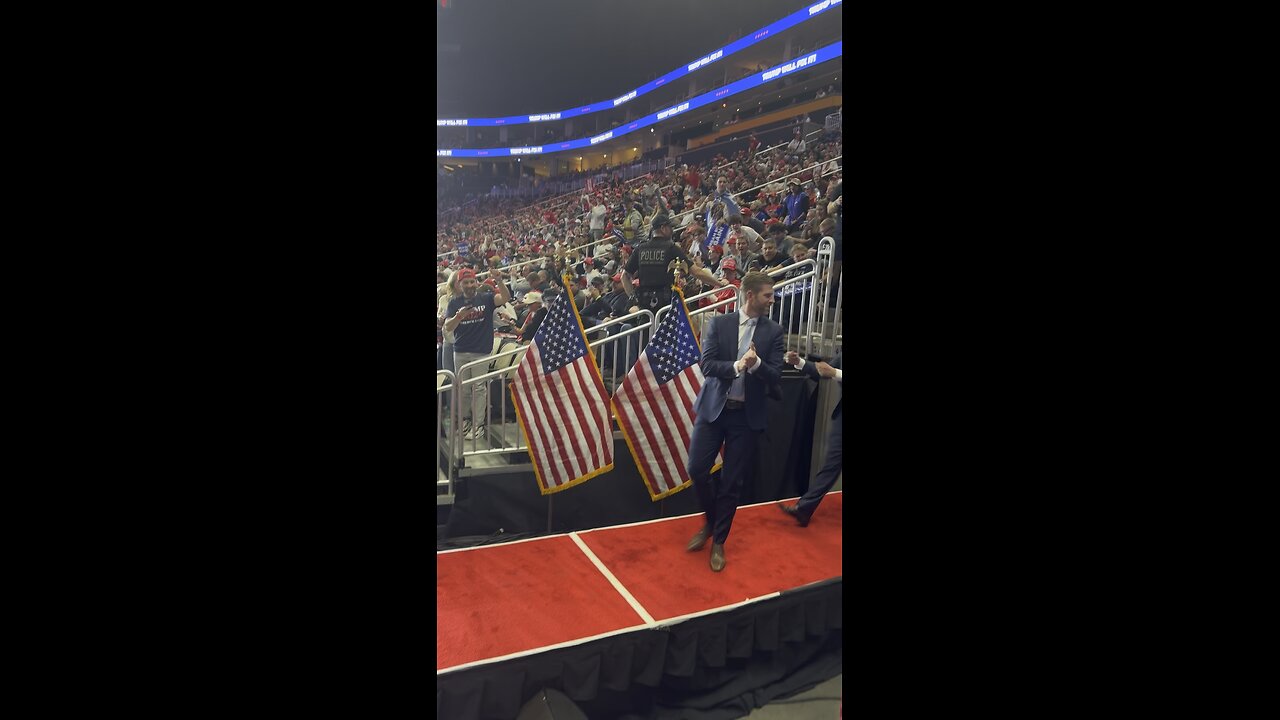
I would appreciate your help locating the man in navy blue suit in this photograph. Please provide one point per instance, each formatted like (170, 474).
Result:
(804, 508)
(732, 406)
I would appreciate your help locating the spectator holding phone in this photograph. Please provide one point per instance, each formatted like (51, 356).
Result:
(470, 319)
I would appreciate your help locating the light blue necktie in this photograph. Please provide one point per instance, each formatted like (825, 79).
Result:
(737, 390)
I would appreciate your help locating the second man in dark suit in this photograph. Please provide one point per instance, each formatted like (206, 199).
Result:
(804, 508)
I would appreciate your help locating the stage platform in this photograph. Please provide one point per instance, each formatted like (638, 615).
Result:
(626, 622)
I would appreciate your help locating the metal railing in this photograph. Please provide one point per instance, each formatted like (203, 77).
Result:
(741, 194)
(567, 198)
(793, 308)
(502, 434)
(804, 312)
(817, 314)
(446, 404)
(783, 144)
(665, 166)
(700, 316)
(718, 168)
(816, 166)
(499, 366)
(627, 344)
(830, 329)
(649, 166)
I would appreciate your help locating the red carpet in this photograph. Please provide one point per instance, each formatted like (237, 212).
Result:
(497, 600)
(524, 596)
(766, 552)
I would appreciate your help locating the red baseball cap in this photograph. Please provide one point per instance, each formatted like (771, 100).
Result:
(465, 273)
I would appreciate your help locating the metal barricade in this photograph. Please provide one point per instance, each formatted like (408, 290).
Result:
(741, 196)
(618, 351)
(502, 432)
(446, 408)
(826, 332)
(700, 316)
(802, 306)
(793, 304)
(794, 307)
(495, 439)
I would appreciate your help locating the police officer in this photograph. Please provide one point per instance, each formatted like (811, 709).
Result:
(651, 263)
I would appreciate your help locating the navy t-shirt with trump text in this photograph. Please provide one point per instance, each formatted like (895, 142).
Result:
(474, 333)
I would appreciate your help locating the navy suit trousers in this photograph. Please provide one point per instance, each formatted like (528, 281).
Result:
(719, 500)
(826, 477)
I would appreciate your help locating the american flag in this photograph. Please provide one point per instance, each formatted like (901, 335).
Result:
(561, 402)
(654, 403)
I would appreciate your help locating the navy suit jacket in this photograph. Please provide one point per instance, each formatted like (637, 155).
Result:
(810, 370)
(720, 352)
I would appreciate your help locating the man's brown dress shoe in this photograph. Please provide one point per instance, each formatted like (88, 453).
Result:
(717, 557)
(791, 510)
(698, 540)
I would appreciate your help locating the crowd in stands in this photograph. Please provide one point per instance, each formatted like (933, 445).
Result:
(779, 210)
(534, 187)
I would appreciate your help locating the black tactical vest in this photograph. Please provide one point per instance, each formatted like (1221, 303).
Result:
(655, 256)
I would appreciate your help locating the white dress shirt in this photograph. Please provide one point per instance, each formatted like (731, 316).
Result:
(742, 327)
(839, 375)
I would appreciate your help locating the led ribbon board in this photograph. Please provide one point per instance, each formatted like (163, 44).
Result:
(754, 80)
(767, 31)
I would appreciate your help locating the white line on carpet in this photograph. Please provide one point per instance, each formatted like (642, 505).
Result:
(623, 591)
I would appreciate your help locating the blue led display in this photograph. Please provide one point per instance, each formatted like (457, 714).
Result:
(750, 39)
(755, 80)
